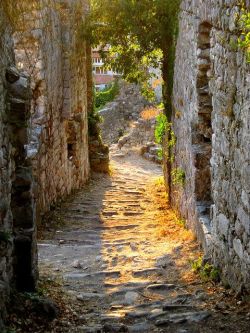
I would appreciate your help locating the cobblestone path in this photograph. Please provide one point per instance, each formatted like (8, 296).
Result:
(122, 268)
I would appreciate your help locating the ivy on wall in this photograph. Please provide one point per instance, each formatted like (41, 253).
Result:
(244, 39)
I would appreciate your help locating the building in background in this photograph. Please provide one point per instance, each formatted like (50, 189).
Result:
(102, 77)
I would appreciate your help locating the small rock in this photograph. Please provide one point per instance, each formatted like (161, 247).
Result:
(76, 264)
(221, 306)
(61, 241)
(131, 297)
(183, 317)
(201, 296)
(146, 272)
(12, 74)
(46, 308)
(167, 307)
(133, 246)
(87, 296)
(161, 286)
(136, 314)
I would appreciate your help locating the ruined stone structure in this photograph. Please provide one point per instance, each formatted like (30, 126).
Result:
(17, 208)
(55, 58)
(118, 114)
(44, 152)
(211, 122)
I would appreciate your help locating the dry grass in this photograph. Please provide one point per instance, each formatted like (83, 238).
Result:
(170, 225)
(150, 113)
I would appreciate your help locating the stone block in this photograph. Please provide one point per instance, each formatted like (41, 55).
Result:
(238, 248)
(244, 219)
(12, 74)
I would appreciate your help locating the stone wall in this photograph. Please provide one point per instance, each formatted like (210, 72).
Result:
(55, 57)
(18, 255)
(118, 114)
(211, 122)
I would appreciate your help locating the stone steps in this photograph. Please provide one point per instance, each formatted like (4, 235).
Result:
(108, 256)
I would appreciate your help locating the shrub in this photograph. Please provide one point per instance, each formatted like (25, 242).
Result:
(93, 120)
(206, 271)
(161, 128)
(107, 95)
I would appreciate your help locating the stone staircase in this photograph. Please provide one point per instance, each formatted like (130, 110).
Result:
(112, 261)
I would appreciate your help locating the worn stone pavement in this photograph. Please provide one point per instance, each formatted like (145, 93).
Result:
(117, 265)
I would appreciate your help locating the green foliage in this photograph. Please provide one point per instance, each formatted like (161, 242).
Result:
(160, 181)
(178, 176)
(5, 236)
(206, 271)
(244, 39)
(142, 34)
(106, 95)
(93, 120)
(164, 128)
(160, 153)
(161, 128)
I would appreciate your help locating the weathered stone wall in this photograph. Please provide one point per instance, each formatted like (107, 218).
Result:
(59, 137)
(211, 122)
(118, 114)
(18, 256)
(140, 133)
(6, 167)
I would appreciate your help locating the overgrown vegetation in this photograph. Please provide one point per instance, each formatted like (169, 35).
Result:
(164, 129)
(244, 39)
(178, 176)
(206, 271)
(142, 34)
(94, 119)
(162, 126)
(107, 95)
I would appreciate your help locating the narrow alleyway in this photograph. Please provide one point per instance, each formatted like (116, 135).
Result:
(123, 259)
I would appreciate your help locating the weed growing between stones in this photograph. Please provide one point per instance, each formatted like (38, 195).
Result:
(162, 127)
(206, 271)
(178, 176)
(181, 222)
(244, 39)
(159, 182)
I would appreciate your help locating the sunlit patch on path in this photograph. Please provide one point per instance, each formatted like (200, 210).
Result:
(123, 256)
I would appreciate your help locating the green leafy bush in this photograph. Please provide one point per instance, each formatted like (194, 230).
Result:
(178, 176)
(206, 271)
(161, 128)
(93, 120)
(107, 95)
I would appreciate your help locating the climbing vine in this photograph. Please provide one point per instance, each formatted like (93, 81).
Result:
(244, 39)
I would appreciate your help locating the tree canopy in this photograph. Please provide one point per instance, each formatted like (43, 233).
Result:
(142, 34)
